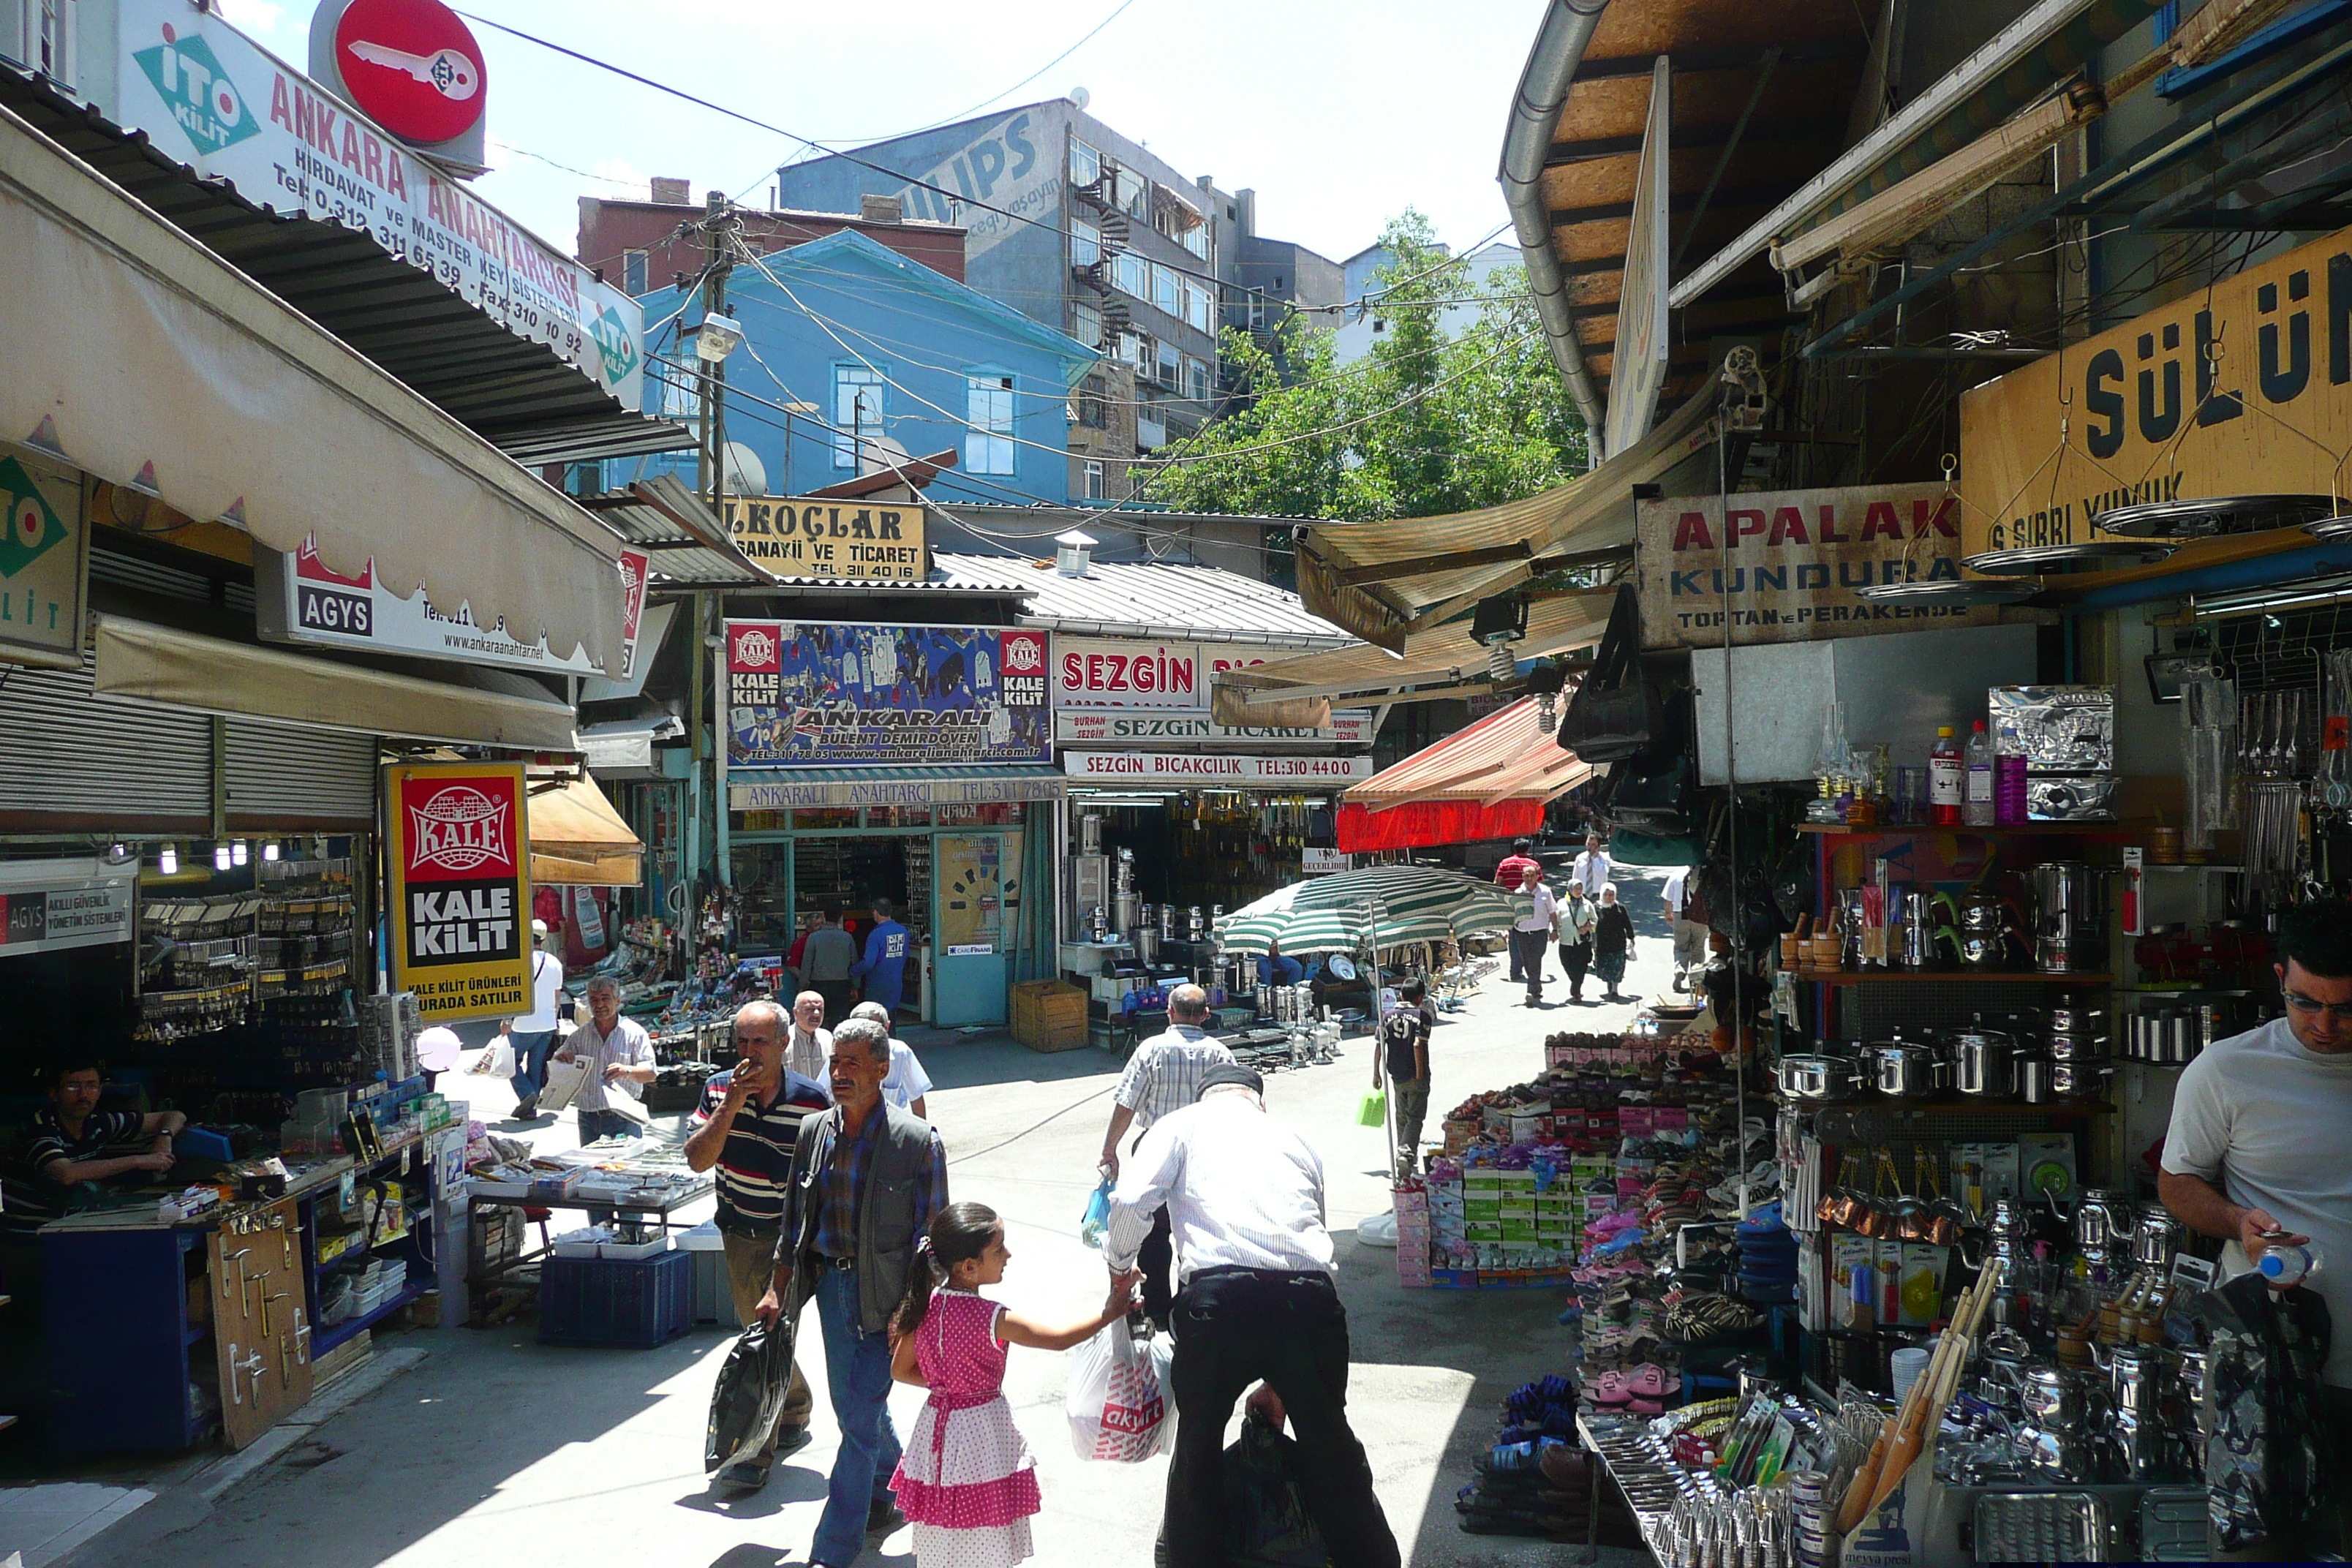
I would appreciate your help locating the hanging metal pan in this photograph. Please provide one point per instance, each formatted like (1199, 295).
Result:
(2212, 517)
(2059, 560)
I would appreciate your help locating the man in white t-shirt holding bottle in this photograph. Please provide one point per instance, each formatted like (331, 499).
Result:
(532, 1035)
(2260, 1150)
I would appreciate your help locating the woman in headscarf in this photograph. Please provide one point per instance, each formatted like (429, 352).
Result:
(1612, 942)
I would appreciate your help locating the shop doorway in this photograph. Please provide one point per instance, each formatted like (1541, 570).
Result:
(970, 874)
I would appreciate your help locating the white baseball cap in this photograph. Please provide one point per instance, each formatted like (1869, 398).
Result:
(539, 931)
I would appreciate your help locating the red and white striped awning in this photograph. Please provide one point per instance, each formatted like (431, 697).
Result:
(1509, 754)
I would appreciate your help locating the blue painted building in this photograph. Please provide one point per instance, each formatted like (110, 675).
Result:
(884, 348)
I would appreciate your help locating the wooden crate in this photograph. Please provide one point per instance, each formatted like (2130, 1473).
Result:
(1048, 1016)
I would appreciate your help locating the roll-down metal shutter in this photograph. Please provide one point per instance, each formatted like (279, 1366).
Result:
(66, 749)
(277, 770)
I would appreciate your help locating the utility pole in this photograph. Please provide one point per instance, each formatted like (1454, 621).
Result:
(719, 225)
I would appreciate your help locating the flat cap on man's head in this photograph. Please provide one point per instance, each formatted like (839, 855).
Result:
(1225, 1073)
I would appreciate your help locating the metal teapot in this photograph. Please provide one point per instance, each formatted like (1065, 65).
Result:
(1985, 922)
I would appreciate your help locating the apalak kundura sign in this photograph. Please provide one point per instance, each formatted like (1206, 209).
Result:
(2244, 388)
(1788, 565)
(457, 842)
(856, 541)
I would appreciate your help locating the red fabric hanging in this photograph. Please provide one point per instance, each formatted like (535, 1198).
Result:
(1426, 822)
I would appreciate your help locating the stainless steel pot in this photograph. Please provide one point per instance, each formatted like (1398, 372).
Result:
(2077, 1081)
(1904, 1071)
(1147, 940)
(2033, 1075)
(1984, 1063)
(2156, 1236)
(2078, 1048)
(1818, 1079)
(2074, 1018)
(2102, 1221)
(2053, 1399)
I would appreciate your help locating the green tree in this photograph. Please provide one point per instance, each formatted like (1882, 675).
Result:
(1426, 424)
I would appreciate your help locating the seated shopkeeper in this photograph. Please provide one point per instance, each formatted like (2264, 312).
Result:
(73, 1142)
(1279, 968)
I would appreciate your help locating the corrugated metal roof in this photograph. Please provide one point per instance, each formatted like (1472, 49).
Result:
(516, 393)
(684, 544)
(1201, 603)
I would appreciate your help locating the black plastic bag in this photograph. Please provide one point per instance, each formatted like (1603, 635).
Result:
(1266, 1520)
(750, 1393)
(1614, 713)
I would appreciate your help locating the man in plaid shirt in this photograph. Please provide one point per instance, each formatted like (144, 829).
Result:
(1162, 1076)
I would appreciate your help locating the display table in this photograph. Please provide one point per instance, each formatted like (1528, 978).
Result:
(637, 1187)
(133, 1299)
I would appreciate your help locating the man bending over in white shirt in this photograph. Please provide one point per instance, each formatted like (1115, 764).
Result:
(1255, 1300)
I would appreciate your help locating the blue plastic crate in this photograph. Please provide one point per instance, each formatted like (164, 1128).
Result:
(634, 1301)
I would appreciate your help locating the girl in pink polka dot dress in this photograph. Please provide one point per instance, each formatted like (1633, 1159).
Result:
(967, 1481)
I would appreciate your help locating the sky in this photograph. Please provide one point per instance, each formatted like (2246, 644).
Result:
(1340, 116)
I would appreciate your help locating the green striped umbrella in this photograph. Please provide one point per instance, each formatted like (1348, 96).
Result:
(1396, 904)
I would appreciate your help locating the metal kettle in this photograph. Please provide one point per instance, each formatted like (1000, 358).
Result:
(1985, 922)
(1925, 939)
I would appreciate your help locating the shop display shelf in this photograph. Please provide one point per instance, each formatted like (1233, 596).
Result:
(1963, 976)
(328, 1338)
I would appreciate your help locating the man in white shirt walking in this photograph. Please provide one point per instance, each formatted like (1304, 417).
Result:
(1593, 866)
(906, 1083)
(1533, 933)
(1258, 1301)
(617, 1051)
(532, 1035)
(1162, 1078)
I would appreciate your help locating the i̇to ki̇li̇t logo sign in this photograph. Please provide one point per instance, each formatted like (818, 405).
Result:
(460, 869)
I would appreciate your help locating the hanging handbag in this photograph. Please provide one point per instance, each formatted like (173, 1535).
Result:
(1614, 714)
(1655, 791)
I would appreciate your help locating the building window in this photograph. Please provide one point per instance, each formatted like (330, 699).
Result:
(1197, 302)
(1196, 240)
(1086, 164)
(48, 37)
(1196, 379)
(1151, 435)
(680, 395)
(1163, 291)
(1093, 482)
(1085, 243)
(1094, 405)
(1169, 363)
(1134, 195)
(1130, 275)
(1133, 348)
(987, 407)
(1085, 323)
(858, 407)
(633, 273)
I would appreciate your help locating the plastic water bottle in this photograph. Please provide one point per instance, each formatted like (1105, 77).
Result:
(1977, 809)
(2009, 778)
(2282, 1267)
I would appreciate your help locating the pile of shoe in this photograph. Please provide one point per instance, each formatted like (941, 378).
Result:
(1535, 1481)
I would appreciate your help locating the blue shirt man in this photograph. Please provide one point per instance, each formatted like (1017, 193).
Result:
(883, 967)
(1277, 968)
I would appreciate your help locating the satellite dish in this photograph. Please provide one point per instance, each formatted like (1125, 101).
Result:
(746, 475)
(879, 453)
(1080, 98)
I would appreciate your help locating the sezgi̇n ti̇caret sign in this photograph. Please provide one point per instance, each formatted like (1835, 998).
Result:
(459, 860)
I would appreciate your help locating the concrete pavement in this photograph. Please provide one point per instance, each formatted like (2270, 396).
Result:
(498, 1449)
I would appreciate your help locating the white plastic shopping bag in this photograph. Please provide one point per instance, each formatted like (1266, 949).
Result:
(1118, 1402)
(496, 1061)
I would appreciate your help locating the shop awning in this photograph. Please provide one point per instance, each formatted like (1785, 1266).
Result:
(626, 746)
(1428, 823)
(162, 664)
(1509, 754)
(1442, 653)
(139, 355)
(973, 783)
(577, 839)
(1383, 580)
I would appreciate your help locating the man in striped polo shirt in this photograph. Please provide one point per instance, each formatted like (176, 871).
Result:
(748, 1124)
